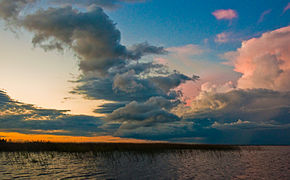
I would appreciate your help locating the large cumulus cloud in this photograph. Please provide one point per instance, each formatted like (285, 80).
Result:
(264, 61)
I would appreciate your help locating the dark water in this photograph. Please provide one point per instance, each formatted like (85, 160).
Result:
(249, 163)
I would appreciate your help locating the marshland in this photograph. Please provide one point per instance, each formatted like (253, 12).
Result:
(34, 160)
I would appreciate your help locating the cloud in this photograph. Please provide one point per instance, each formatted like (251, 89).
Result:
(286, 7)
(110, 71)
(9, 10)
(227, 14)
(193, 58)
(108, 4)
(238, 112)
(264, 61)
(233, 124)
(132, 83)
(4, 98)
(222, 38)
(143, 97)
(108, 108)
(155, 110)
(187, 50)
(143, 49)
(246, 125)
(172, 81)
(137, 118)
(91, 35)
(26, 118)
(261, 19)
(256, 105)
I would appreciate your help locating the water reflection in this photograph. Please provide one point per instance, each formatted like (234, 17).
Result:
(268, 163)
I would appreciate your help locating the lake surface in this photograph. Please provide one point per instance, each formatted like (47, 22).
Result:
(249, 163)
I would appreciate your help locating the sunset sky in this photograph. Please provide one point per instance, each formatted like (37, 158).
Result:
(132, 70)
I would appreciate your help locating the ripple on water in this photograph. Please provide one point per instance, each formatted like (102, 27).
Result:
(249, 163)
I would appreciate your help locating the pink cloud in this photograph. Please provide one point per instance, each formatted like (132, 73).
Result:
(225, 14)
(287, 7)
(189, 59)
(222, 38)
(264, 62)
(261, 19)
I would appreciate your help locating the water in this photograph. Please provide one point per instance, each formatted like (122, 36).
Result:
(249, 163)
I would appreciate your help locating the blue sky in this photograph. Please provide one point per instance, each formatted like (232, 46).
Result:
(179, 70)
(190, 22)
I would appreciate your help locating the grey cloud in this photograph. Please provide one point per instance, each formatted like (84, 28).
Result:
(142, 49)
(127, 82)
(103, 88)
(239, 116)
(109, 108)
(109, 69)
(240, 125)
(256, 105)
(132, 82)
(146, 114)
(173, 80)
(92, 35)
(134, 111)
(4, 98)
(124, 88)
(10, 9)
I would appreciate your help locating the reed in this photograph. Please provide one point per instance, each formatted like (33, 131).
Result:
(6, 146)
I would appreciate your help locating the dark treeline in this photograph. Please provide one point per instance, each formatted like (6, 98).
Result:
(6, 146)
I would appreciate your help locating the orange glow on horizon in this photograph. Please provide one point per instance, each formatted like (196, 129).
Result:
(19, 137)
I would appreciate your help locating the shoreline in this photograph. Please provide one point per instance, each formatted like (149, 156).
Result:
(110, 147)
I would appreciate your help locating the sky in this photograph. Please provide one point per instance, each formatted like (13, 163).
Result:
(145, 70)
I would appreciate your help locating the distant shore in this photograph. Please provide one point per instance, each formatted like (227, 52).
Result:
(109, 147)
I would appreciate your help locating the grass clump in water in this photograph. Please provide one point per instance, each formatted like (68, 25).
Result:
(109, 147)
